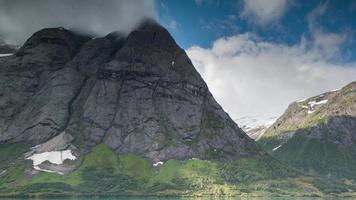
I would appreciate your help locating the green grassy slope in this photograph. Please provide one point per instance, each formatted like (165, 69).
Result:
(313, 156)
(102, 172)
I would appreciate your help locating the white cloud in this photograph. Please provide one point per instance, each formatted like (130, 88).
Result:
(19, 19)
(263, 12)
(329, 43)
(251, 77)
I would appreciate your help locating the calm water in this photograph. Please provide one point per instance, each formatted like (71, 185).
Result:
(191, 198)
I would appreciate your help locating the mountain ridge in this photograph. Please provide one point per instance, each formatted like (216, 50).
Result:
(325, 124)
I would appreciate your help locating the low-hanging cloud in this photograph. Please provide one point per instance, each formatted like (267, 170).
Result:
(21, 18)
(251, 77)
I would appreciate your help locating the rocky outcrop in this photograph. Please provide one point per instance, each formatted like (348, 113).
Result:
(137, 94)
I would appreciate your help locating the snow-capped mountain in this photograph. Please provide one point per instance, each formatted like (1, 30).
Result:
(255, 126)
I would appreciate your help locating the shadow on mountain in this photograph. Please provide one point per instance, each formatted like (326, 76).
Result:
(326, 149)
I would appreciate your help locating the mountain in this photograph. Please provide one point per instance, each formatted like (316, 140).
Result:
(317, 135)
(6, 49)
(139, 94)
(130, 115)
(255, 127)
(118, 115)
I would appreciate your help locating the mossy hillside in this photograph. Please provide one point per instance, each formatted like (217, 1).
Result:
(312, 120)
(99, 159)
(103, 171)
(10, 154)
(313, 156)
(12, 163)
(249, 170)
(188, 173)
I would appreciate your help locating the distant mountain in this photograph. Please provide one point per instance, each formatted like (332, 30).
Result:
(6, 48)
(254, 126)
(317, 135)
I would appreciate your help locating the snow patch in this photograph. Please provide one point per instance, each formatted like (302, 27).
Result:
(310, 111)
(35, 147)
(54, 157)
(159, 163)
(6, 54)
(277, 147)
(311, 104)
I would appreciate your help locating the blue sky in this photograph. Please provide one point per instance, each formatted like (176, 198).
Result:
(258, 56)
(200, 22)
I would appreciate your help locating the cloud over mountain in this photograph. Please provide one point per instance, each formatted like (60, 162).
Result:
(252, 77)
(19, 19)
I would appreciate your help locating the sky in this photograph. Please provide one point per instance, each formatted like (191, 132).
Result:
(257, 56)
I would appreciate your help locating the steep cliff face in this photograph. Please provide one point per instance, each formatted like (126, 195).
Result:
(136, 94)
(317, 134)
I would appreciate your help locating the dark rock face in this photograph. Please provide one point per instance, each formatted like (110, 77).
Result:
(138, 94)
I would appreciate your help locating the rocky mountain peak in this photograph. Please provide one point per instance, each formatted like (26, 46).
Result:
(51, 48)
(150, 34)
(136, 94)
(55, 37)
